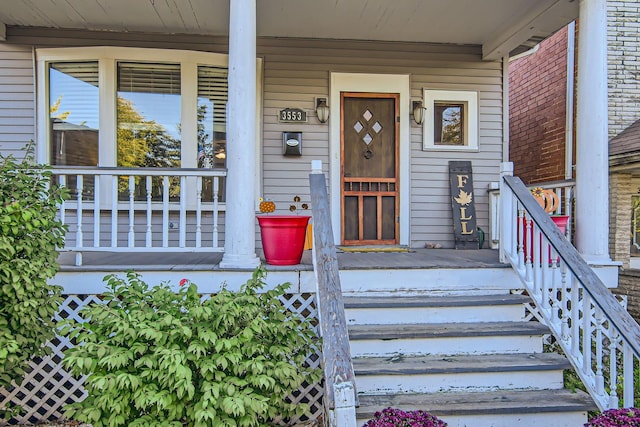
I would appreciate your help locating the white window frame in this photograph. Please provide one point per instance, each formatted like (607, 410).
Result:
(108, 57)
(470, 120)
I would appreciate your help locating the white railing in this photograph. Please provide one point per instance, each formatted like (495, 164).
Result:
(599, 337)
(563, 189)
(141, 209)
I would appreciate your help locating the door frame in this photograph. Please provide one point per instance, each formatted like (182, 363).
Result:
(396, 154)
(373, 83)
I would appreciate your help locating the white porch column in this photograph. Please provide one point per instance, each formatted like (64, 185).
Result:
(592, 157)
(240, 221)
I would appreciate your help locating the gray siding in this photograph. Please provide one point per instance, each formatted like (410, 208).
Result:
(297, 71)
(17, 115)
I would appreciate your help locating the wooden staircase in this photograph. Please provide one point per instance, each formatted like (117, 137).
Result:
(472, 360)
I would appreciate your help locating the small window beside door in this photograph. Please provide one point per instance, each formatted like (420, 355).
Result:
(451, 120)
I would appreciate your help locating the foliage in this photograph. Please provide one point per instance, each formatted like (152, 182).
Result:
(626, 417)
(155, 357)
(392, 417)
(29, 235)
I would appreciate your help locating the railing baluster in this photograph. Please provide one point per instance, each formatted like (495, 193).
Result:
(198, 212)
(183, 212)
(149, 232)
(216, 189)
(79, 231)
(575, 317)
(63, 204)
(587, 319)
(628, 376)
(114, 211)
(165, 211)
(96, 211)
(599, 319)
(613, 367)
(131, 235)
(565, 304)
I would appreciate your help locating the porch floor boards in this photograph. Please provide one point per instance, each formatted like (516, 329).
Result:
(414, 259)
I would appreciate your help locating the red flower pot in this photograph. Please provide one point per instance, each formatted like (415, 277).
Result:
(283, 238)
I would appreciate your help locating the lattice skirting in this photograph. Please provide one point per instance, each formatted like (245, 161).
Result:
(47, 387)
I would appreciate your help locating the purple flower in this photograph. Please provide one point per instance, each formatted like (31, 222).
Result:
(625, 417)
(392, 417)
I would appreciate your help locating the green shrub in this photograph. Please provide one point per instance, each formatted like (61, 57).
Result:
(29, 235)
(155, 357)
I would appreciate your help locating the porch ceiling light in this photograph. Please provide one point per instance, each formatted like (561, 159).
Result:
(322, 110)
(418, 112)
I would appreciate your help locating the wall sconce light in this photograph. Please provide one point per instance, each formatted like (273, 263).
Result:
(418, 112)
(322, 110)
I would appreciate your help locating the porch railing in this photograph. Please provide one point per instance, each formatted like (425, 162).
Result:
(141, 209)
(599, 337)
(563, 189)
(340, 397)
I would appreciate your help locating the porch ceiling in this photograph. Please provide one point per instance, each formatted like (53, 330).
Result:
(500, 26)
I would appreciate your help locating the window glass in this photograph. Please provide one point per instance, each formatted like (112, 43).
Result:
(73, 113)
(448, 124)
(212, 104)
(212, 119)
(635, 226)
(148, 115)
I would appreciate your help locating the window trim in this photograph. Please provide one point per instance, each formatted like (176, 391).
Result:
(470, 120)
(108, 57)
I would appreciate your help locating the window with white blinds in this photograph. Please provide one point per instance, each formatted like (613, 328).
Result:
(73, 113)
(133, 107)
(148, 114)
(212, 116)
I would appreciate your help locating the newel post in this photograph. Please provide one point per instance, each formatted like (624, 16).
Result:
(505, 217)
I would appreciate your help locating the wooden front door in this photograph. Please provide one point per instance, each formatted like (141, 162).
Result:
(369, 168)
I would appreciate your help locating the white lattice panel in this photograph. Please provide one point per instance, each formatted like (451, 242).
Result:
(48, 386)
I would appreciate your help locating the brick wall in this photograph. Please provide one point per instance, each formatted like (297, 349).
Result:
(620, 191)
(624, 64)
(629, 285)
(537, 85)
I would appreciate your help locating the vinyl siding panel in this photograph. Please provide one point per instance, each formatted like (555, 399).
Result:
(17, 114)
(295, 74)
(295, 71)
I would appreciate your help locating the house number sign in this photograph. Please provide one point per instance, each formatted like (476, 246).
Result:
(292, 115)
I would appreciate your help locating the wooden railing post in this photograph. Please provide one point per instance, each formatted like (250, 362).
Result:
(340, 398)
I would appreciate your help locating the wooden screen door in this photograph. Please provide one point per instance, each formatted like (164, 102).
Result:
(369, 126)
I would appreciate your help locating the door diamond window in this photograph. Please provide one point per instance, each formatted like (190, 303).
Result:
(367, 115)
(367, 139)
(377, 127)
(358, 127)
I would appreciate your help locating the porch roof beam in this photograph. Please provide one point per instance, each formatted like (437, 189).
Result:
(3, 31)
(547, 17)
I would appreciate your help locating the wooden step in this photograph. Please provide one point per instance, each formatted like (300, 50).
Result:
(446, 339)
(428, 374)
(439, 309)
(505, 408)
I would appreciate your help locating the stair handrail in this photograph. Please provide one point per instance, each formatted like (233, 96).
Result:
(570, 298)
(340, 396)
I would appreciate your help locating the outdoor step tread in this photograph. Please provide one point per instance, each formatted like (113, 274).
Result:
(431, 301)
(443, 330)
(437, 364)
(476, 403)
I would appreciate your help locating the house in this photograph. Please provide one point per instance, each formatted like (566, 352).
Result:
(548, 116)
(173, 88)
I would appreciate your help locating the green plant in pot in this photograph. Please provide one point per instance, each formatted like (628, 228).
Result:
(156, 357)
(283, 236)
